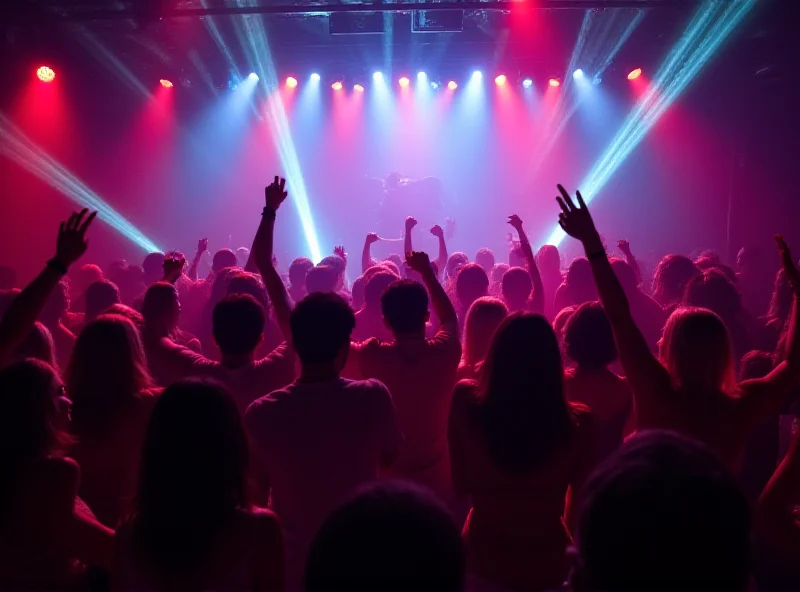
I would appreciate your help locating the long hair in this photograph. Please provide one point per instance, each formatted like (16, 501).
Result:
(483, 319)
(670, 277)
(192, 478)
(782, 296)
(108, 370)
(696, 351)
(521, 401)
(38, 344)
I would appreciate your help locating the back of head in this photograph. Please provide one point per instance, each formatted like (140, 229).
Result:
(161, 303)
(517, 286)
(321, 279)
(455, 262)
(248, 283)
(588, 340)
(390, 536)
(404, 305)
(223, 259)
(391, 266)
(153, 266)
(107, 370)
(662, 513)
(549, 261)
(375, 286)
(29, 421)
(57, 304)
(782, 297)
(483, 319)
(397, 260)
(561, 320)
(756, 364)
(670, 277)
(714, 291)
(129, 313)
(321, 326)
(99, 296)
(498, 272)
(298, 270)
(516, 257)
(696, 351)
(485, 258)
(580, 281)
(85, 276)
(192, 477)
(238, 324)
(472, 283)
(38, 344)
(521, 392)
(336, 262)
(625, 275)
(242, 255)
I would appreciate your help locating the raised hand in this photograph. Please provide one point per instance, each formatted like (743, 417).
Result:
(72, 243)
(515, 222)
(372, 238)
(340, 252)
(173, 267)
(411, 222)
(419, 262)
(576, 220)
(624, 246)
(789, 266)
(202, 246)
(437, 231)
(275, 193)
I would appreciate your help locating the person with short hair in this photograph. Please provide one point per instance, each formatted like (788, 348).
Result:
(99, 296)
(322, 436)
(321, 279)
(391, 536)
(662, 513)
(485, 258)
(298, 270)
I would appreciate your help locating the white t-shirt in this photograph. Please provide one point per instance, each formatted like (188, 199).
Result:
(316, 443)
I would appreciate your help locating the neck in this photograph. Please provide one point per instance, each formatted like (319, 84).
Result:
(311, 373)
(234, 361)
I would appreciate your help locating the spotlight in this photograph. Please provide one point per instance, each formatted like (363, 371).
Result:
(253, 76)
(554, 82)
(634, 74)
(45, 74)
(404, 82)
(314, 77)
(291, 82)
(477, 75)
(336, 85)
(527, 83)
(434, 85)
(577, 74)
(421, 76)
(166, 83)
(378, 76)
(452, 85)
(358, 88)
(500, 80)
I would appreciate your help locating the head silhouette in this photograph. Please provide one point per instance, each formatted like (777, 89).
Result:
(483, 319)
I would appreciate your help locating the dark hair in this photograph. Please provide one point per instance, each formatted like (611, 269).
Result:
(756, 364)
(454, 263)
(107, 370)
(357, 293)
(549, 261)
(336, 262)
(129, 313)
(238, 324)
(588, 339)
(57, 303)
(714, 291)
(298, 270)
(404, 305)
(521, 394)
(321, 327)
(390, 536)
(580, 281)
(192, 478)
(223, 259)
(662, 513)
(472, 283)
(517, 286)
(38, 344)
(244, 282)
(485, 258)
(376, 286)
(321, 279)
(153, 266)
(99, 296)
(670, 277)
(160, 299)
(625, 274)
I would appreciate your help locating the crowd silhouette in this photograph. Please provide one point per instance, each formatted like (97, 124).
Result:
(439, 425)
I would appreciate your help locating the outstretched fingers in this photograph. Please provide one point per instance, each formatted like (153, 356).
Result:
(565, 196)
(85, 226)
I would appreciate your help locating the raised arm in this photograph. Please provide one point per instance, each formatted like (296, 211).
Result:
(645, 373)
(410, 224)
(625, 247)
(536, 301)
(261, 254)
(441, 260)
(202, 247)
(442, 306)
(366, 257)
(26, 307)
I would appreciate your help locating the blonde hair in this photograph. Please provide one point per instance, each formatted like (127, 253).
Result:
(696, 351)
(483, 318)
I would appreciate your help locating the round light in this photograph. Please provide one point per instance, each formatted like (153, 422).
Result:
(404, 82)
(45, 74)
(253, 76)
(336, 85)
(421, 76)
(166, 83)
(554, 82)
(634, 74)
(477, 75)
(378, 76)
(452, 85)
(291, 82)
(527, 83)
(577, 74)
(314, 77)
(500, 80)
(358, 88)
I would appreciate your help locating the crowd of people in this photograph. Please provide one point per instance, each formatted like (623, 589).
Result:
(439, 425)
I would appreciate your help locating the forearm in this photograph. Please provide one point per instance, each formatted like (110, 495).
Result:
(441, 260)
(634, 265)
(441, 303)
(773, 516)
(261, 254)
(537, 297)
(366, 258)
(192, 273)
(407, 242)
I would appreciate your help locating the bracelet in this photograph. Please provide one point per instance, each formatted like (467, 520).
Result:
(596, 255)
(57, 266)
(268, 211)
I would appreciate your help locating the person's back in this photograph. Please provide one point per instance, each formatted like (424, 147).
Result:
(420, 373)
(322, 436)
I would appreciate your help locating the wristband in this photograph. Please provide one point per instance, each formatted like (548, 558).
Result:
(269, 212)
(57, 266)
(596, 255)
